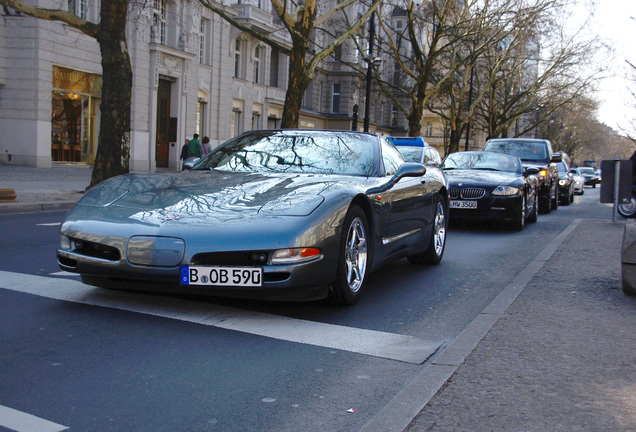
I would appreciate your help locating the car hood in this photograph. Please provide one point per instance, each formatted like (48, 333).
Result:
(209, 195)
(480, 178)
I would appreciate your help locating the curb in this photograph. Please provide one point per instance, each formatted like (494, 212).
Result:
(9, 208)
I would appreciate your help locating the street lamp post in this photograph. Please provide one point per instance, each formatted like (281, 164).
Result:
(369, 60)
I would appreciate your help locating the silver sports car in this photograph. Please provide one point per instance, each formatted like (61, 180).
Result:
(283, 215)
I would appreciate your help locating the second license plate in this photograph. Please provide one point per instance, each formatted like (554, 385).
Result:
(459, 204)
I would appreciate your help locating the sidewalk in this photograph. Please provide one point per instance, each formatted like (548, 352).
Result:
(40, 189)
(561, 358)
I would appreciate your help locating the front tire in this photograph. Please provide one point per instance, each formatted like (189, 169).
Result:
(353, 258)
(520, 220)
(435, 250)
(554, 204)
(535, 210)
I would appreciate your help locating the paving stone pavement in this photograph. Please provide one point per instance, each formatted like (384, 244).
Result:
(562, 358)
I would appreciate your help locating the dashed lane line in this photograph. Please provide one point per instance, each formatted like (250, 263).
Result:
(391, 346)
(22, 422)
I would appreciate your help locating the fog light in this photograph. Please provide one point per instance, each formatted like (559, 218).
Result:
(65, 243)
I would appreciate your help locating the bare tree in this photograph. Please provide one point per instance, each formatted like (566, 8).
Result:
(543, 69)
(113, 149)
(301, 20)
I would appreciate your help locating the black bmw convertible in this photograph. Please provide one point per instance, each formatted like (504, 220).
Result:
(491, 186)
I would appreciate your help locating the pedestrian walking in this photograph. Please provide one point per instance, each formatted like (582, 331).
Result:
(206, 147)
(194, 147)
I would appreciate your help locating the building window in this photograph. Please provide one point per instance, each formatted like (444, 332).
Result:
(428, 129)
(238, 46)
(201, 116)
(308, 97)
(394, 117)
(78, 8)
(256, 120)
(257, 64)
(236, 123)
(335, 98)
(337, 53)
(273, 69)
(203, 41)
(159, 21)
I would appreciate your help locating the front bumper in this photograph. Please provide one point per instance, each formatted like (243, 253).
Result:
(490, 208)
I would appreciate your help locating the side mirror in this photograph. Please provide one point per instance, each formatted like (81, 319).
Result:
(531, 171)
(556, 158)
(408, 169)
(190, 162)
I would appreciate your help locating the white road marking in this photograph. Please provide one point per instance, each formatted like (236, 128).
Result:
(23, 422)
(391, 346)
(50, 224)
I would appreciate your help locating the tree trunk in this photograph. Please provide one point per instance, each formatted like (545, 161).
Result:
(298, 83)
(113, 150)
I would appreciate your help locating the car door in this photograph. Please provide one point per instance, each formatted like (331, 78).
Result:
(410, 203)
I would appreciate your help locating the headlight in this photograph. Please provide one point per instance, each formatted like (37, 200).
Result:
(563, 182)
(295, 255)
(65, 243)
(505, 191)
(543, 174)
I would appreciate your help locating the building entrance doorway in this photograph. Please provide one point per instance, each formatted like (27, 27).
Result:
(162, 146)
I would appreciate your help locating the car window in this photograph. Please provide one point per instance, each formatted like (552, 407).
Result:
(482, 161)
(563, 167)
(391, 158)
(313, 152)
(525, 150)
(432, 155)
(411, 153)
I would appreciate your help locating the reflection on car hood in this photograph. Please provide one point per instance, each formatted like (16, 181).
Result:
(480, 177)
(208, 194)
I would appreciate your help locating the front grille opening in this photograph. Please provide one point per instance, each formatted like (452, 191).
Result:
(472, 193)
(96, 250)
(241, 258)
(67, 262)
(276, 276)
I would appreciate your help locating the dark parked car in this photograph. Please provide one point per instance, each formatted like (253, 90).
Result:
(415, 149)
(566, 183)
(491, 186)
(590, 176)
(534, 153)
(285, 215)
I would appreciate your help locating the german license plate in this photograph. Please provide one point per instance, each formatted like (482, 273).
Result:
(222, 276)
(459, 204)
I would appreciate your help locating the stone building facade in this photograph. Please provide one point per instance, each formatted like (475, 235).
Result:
(192, 73)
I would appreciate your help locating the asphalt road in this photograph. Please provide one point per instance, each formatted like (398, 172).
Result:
(96, 360)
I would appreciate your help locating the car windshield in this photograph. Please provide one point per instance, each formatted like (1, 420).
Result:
(525, 150)
(482, 161)
(411, 153)
(563, 167)
(586, 170)
(311, 152)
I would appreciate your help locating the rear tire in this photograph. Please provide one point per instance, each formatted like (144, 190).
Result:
(628, 210)
(435, 250)
(352, 261)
